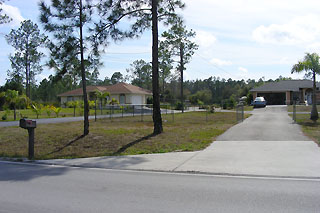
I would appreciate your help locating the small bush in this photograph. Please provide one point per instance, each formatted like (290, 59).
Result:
(200, 104)
(56, 110)
(178, 106)
(149, 100)
(4, 117)
(224, 104)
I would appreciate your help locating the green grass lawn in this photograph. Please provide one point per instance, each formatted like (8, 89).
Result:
(309, 128)
(302, 108)
(248, 108)
(119, 136)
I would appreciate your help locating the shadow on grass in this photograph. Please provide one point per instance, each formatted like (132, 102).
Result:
(65, 146)
(125, 147)
(309, 123)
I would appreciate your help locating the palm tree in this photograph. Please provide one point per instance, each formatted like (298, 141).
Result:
(102, 97)
(311, 65)
(13, 99)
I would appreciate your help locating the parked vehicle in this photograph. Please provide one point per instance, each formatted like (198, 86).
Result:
(259, 102)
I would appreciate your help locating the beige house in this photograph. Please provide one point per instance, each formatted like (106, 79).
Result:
(122, 92)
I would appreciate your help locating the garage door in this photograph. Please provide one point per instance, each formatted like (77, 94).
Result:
(274, 98)
(136, 99)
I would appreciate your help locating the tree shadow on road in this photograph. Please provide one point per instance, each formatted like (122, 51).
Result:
(24, 172)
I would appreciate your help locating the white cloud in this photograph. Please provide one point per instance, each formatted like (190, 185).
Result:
(243, 74)
(242, 69)
(14, 13)
(220, 62)
(205, 39)
(314, 47)
(302, 29)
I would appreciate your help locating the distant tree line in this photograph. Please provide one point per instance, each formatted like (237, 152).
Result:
(213, 90)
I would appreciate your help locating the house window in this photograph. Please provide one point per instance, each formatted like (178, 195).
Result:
(69, 98)
(122, 99)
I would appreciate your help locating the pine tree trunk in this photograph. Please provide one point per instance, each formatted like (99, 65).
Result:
(27, 73)
(157, 120)
(29, 87)
(181, 76)
(314, 112)
(84, 86)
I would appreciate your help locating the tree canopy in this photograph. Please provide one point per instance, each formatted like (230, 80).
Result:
(4, 18)
(25, 62)
(141, 74)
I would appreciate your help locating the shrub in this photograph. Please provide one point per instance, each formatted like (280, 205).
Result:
(48, 110)
(178, 106)
(4, 117)
(114, 101)
(224, 104)
(200, 104)
(149, 100)
(91, 104)
(56, 110)
(37, 109)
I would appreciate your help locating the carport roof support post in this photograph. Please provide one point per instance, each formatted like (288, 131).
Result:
(254, 94)
(288, 98)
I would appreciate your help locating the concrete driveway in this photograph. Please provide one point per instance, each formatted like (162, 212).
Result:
(266, 144)
(266, 124)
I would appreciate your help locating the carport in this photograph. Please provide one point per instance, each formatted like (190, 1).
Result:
(274, 98)
(285, 92)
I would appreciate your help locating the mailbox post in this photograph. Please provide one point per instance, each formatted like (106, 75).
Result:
(29, 125)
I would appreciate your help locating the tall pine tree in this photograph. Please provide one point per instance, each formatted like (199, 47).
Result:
(25, 62)
(67, 20)
(177, 40)
(165, 63)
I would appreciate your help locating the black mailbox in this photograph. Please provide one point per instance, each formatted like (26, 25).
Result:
(30, 125)
(27, 124)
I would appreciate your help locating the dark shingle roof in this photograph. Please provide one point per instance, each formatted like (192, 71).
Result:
(282, 86)
(120, 88)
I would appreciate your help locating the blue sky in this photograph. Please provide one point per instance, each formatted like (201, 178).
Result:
(238, 39)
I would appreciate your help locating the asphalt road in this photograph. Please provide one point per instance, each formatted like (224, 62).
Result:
(41, 188)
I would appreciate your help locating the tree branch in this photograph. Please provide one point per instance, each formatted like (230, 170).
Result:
(121, 17)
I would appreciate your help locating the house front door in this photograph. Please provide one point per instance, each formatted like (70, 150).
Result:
(122, 99)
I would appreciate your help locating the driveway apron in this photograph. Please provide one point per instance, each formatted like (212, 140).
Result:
(268, 144)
